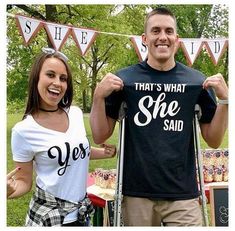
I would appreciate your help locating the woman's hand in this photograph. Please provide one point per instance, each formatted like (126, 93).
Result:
(109, 150)
(105, 151)
(19, 181)
(11, 181)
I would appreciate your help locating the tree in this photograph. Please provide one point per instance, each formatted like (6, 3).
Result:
(109, 52)
(106, 50)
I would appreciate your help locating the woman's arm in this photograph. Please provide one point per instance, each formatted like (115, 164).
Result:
(19, 181)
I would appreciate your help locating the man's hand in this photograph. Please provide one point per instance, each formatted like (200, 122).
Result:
(219, 85)
(108, 84)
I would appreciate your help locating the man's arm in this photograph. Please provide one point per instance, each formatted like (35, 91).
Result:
(213, 132)
(102, 126)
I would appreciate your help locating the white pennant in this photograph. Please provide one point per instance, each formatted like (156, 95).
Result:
(57, 33)
(191, 48)
(28, 27)
(141, 50)
(83, 38)
(216, 48)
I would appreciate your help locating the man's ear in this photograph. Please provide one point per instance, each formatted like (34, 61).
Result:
(144, 42)
(177, 43)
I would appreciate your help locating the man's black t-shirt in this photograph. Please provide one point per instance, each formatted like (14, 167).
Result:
(159, 157)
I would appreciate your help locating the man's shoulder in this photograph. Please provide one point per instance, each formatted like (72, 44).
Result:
(194, 74)
(129, 69)
(188, 69)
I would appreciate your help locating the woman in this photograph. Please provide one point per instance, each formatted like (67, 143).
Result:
(52, 139)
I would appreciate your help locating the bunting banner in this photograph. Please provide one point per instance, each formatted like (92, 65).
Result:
(191, 48)
(216, 48)
(140, 49)
(28, 27)
(84, 37)
(57, 34)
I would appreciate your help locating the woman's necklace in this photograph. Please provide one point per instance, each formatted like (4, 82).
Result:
(42, 109)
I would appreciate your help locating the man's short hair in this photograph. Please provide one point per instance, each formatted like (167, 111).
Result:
(161, 11)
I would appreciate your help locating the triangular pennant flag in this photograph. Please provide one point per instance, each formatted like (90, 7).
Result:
(216, 48)
(28, 27)
(83, 38)
(140, 48)
(57, 34)
(191, 48)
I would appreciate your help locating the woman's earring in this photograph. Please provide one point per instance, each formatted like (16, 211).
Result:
(65, 100)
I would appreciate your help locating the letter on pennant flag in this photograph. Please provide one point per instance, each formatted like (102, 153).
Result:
(57, 34)
(191, 49)
(216, 48)
(28, 27)
(140, 48)
(83, 38)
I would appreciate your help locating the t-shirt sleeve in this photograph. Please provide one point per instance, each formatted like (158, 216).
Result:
(207, 102)
(112, 104)
(21, 150)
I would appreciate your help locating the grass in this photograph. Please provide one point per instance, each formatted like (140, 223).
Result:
(17, 208)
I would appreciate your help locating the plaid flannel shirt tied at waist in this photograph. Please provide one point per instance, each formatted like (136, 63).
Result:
(47, 210)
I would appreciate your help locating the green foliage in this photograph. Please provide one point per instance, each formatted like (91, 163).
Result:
(17, 208)
(109, 52)
(16, 106)
(191, 19)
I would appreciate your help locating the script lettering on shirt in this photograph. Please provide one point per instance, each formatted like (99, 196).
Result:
(150, 108)
(77, 152)
(159, 107)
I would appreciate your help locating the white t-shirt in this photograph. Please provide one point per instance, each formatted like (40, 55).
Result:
(61, 159)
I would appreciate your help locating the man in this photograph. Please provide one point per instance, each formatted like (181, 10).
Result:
(159, 180)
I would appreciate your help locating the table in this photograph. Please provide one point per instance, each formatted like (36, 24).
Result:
(103, 203)
(102, 199)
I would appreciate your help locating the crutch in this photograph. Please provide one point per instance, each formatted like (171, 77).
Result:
(118, 191)
(197, 116)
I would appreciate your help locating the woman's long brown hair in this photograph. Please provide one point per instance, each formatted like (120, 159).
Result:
(33, 100)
